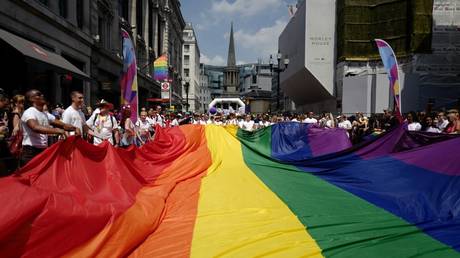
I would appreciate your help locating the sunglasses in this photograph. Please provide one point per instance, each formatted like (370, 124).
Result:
(39, 94)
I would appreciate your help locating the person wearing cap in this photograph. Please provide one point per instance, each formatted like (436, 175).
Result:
(36, 126)
(104, 126)
(454, 122)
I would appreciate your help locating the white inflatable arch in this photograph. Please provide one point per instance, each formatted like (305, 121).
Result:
(237, 101)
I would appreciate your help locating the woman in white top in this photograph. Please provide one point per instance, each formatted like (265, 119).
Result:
(413, 124)
(431, 126)
(129, 134)
(248, 123)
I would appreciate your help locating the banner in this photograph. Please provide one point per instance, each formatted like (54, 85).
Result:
(391, 66)
(128, 82)
(160, 68)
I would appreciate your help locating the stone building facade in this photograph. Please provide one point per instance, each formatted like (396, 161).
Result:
(87, 34)
(191, 68)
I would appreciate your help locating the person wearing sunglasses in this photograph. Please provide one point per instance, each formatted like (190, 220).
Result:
(37, 126)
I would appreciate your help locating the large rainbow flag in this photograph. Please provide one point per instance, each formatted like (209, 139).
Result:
(290, 190)
(160, 68)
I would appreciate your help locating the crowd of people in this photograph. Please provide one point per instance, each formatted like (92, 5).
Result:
(28, 125)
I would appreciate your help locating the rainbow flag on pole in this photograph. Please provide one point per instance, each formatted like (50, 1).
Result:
(391, 66)
(290, 190)
(128, 81)
(160, 68)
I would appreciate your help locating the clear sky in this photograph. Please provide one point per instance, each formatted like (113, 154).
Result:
(257, 25)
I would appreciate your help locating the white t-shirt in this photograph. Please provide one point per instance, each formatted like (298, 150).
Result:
(310, 121)
(264, 124)
(174, 123)
(232, 122)
(32, 138)
(144, 126)
(103, 126)
(159, 120)
(248, 125)
(415, 126)
(442, 125)
(151, 121)
(345, 124)
(74, 117)
(432, 129)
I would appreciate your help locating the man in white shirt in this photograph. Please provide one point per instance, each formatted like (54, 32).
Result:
(143, 127)
(73, 114)
(344, 123)
(310, 119)
(36, 126)
(104, 127)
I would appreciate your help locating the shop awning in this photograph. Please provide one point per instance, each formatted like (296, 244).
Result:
(158, 100)
(32, 50)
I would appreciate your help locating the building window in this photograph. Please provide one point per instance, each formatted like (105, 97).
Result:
(254, 79)
(186, 60)
(150, 26)
(186, 48)
(105, 26)
(123, 9)
(63, 8)
(80, 12)
(140, 18)
(186, 72)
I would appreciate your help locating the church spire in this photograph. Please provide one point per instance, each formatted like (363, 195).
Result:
(231, 60)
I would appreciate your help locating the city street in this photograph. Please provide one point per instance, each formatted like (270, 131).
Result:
(230, 128)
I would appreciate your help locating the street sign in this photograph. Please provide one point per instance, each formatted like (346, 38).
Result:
(165, 86)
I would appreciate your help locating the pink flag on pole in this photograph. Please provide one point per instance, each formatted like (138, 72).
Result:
(128, 82)
(391, 66)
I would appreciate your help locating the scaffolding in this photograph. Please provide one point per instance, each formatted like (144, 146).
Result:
(405, 24)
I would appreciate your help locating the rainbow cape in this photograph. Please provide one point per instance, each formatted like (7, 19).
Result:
(289, 190)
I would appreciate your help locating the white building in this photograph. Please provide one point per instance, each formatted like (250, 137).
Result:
(191, 69)
(309, 42)
(205, 92)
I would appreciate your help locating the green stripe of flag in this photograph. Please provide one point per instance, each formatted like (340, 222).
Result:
(343, 224)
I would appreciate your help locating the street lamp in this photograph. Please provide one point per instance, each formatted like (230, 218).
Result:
(186, 87)
(279, 70)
